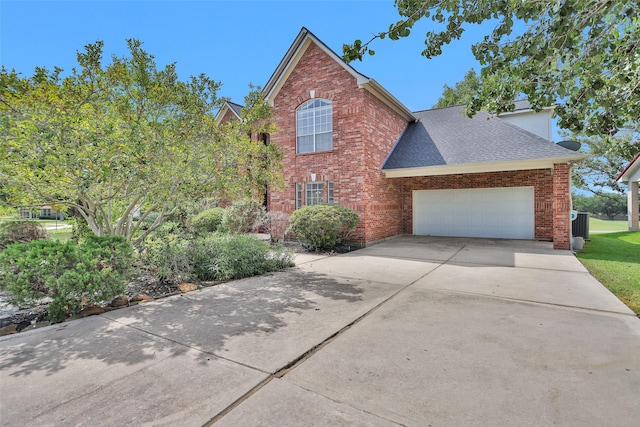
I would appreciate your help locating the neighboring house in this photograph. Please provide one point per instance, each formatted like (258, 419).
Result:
(631, 175)
(42, 212)
(347, 140)
(229, 111)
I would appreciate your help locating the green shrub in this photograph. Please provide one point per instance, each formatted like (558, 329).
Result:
(72, 275)
(233, 256)
(79, 229)
(213, 257)
(243, 216)
(208, 221)
(20, 232)
(323, 227)
(166, 250)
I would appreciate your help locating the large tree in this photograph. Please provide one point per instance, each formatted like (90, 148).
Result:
(581, 55)
(607, 157)
(114, 140)
(462, 93)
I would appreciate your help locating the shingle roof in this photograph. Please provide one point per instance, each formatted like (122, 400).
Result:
(445, 136)
(237, 108)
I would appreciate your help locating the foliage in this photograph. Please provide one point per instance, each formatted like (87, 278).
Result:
(613, 259)
(277, 224)
(165, 250)
(207, 221)
(79, 229)
(20, 232)
(581, 55)
(323, 227)
(234, 256)
(179, 257)
(72, 275)
(462, 93)
(607, 157)
(243, 216)
(111, 140)
(609, 204)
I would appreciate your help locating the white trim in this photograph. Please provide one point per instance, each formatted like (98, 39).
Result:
(632, 172)
(222, 112)
(476, 167)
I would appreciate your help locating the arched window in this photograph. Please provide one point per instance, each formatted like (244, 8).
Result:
(314, 126)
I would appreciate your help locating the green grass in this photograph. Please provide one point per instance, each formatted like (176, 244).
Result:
(63, 234)
(614, 259)
(597, 225)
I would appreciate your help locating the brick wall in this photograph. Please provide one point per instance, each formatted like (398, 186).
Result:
(542, 180)
(228, 115)
(561, 206)
(353, 164)
(383, 207)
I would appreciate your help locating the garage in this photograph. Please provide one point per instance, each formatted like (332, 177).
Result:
(506, 213)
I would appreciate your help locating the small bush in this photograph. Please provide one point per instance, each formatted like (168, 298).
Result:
(79, 229)
(71, 275)
(234, 256)
(214, 257)
(208, 221)
(323, 227)
(166, 249)
(277, 224)
(244, 216)
(20, 232)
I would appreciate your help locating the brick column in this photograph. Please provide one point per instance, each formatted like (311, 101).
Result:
(632, 205)
(561, 206)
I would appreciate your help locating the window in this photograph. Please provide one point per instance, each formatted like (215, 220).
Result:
(298, 195)
(330, 192)
(315, 193)
(314, 126)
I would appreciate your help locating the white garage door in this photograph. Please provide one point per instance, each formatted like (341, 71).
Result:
(506, 213)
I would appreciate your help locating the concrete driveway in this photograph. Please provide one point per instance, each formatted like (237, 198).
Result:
(413, 331)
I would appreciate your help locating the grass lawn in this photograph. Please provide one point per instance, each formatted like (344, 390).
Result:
(614, 259)
(597, 225)
(62, 234)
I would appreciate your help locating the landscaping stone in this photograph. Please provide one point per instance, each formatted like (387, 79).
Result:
(92, 310)
(187, 287)
(141, 298)
(121, 301)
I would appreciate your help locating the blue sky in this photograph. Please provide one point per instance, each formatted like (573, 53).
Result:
(234, 42)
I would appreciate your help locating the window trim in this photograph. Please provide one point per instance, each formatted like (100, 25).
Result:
(298, 195)
(316, 113)
(330, 193)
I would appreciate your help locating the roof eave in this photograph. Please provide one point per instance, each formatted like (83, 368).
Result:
(625, 175)
(465, 168)
(222, 111)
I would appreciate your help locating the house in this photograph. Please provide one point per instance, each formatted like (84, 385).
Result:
(41, 212)
(631, 175)
(347, 140)
(229, 111)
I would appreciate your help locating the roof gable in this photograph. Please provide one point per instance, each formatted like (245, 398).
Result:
(295, 53)
(631, 172)
(445, 137)
(229, 107)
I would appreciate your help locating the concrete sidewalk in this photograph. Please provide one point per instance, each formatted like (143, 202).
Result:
(413, 331)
